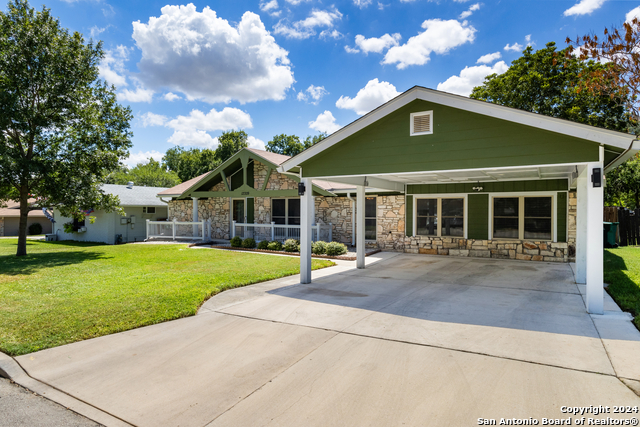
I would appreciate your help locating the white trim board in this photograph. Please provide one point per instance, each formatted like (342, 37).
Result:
(552, 124)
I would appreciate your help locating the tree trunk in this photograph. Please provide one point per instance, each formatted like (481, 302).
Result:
(24, 212)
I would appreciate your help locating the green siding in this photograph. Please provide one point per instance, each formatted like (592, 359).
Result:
(461, 140)
(250, 213)
(491, 187)
(408, 224)
(562, 217)
(478, 221)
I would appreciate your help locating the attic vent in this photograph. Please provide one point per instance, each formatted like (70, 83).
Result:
(422, 123)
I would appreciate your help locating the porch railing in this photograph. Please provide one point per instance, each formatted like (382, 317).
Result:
(175, 229)
(280, 232)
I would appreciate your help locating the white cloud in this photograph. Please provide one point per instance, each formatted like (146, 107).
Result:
(517, 47)
(207, 59)
(108, 10)
(371, 96)
(267, 6)
(170, 96)
(362, 3)
(351, 50)
(143, 157)
(633, 13)
(471, 77)
(313, 93)
(438, 37)
(306, 28)
(112, 68)
(489, 58)
(333, 34)
(469, 12)
(584, 7)
(296, 2)
(325, 122)
(139, 95)
(192, 129)
(255, 143)
(95, 31)
(151, 119)
(375, 44)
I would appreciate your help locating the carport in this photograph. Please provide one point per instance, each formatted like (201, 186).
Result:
(499, 162)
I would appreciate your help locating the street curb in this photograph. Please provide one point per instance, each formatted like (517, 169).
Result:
(12, 370)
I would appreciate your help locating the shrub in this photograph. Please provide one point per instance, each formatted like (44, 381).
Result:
(335, 249)
(274, 246)
(290, 245)
(236, 242)
(319, 247)
(35, 228)
(263, 244)
(249, 243)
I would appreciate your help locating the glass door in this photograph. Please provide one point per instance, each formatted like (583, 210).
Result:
(239, 215)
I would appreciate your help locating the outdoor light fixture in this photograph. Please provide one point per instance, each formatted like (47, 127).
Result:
(478, 188)
(596, 177)
(301, 189)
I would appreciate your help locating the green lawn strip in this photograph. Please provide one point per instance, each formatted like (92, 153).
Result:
(622, 274)
(64, 292)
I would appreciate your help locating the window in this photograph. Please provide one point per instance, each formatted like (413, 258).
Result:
(440, 217)
(422, 123)
(78, 224)
(370, 218)
(149, 210)
(522, 218)
(285, 211)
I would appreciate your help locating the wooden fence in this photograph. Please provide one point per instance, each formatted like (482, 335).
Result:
(629, 224)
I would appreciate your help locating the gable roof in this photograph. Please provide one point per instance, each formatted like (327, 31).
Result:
(272, 159)
(12, 209)
(622, 142)
(136, 195)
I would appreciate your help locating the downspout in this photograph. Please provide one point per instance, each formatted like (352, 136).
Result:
(353, 219)
(621, 155)
(163, 200)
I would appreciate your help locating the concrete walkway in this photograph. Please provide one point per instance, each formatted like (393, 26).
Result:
(411, 340)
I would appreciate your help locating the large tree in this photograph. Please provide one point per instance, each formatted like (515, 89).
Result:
(61, 128)
(230, 143)
(290, 145)
(150, 174)
(547, 82)
(190, 163)
(623, 185)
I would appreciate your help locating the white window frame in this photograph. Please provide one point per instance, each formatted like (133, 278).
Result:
(286, 208)
(369, 217)
(439, 197)
(521, 196)
(145, 210)
(421, 113)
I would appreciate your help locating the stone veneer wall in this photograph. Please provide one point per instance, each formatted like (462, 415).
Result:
(1, 226)
(337, 212)
(390, 220)
(571, 225)
(215, 208)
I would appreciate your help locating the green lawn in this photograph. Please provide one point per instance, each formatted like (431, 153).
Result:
(64, 292)
(622, 273)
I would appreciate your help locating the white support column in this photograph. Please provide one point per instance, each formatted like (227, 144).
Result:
(581, 225)
(195, 216)
(360, 244)
(595, 247)
(307, 216)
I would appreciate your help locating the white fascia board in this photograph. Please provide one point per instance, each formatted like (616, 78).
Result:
(552, 124)
(632, 151)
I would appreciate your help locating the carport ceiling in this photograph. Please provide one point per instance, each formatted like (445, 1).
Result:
(482, 175)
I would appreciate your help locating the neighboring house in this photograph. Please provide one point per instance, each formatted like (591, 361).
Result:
(10, 219)
(139, 204)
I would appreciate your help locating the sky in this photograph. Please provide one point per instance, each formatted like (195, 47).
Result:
(190, 71)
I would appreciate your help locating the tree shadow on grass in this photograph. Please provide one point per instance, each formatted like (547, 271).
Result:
(624, 291)
(12, 265)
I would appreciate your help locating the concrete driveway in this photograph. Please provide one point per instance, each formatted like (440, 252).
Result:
(411, 340)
